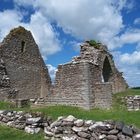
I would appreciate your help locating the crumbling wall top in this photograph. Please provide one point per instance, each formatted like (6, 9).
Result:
(18, 30)
(93, 52)
(14, 33)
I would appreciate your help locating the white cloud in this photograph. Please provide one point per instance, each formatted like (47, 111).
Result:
(133, 58)
(52, 71)
(137, 21)
(130, 36)
(41, 29)
(132, 74)
(8, 20)
(129, 64)
(87, 19)
(44, 34)
(84, 19)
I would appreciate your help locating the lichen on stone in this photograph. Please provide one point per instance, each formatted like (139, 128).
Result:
(18, 30)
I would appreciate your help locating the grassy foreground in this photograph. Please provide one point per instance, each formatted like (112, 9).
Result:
(118, 112)
(7, 133)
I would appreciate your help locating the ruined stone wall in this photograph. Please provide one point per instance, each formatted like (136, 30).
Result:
(118, 83)
(133, 102)
(24, 64)
(103, 95)
(100, 95)
(88, 80)
(79, 84)
(115, 77)
(72, 85)
(4, 93)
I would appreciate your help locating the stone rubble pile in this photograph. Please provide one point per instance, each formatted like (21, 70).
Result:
(69, 128)
(133, 102)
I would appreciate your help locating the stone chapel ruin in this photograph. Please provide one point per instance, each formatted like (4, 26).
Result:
(23, 73)
(88, 81)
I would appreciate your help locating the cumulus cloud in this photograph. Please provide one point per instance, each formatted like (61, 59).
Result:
(130, 36)
(8, 20)
(133, 58)
(124, 4)
(129, 64)
(85, 19)
(132, 74)
(43, 32)
(52, 71)
(137, 21)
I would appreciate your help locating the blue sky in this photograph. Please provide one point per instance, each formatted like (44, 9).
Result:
(59, 26)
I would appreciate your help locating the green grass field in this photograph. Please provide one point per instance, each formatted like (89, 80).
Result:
(118, 112)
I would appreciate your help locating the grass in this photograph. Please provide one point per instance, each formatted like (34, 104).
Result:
(118, 112)
(6, 105)
(7, 133)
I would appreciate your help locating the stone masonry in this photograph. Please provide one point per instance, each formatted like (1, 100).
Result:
(23, 73)
(88, 81)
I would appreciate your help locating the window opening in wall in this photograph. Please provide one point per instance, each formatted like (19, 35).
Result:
(23, 45)
(107, 71)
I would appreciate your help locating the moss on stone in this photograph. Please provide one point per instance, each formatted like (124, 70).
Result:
(94, 44)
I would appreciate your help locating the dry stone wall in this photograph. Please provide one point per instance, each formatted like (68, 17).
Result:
(133, 102)
(68, 128)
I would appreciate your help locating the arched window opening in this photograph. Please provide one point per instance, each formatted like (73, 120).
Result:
(23, 45)
(107, 71)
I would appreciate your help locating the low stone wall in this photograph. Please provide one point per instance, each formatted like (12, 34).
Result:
(133, 102)
(69, 128)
